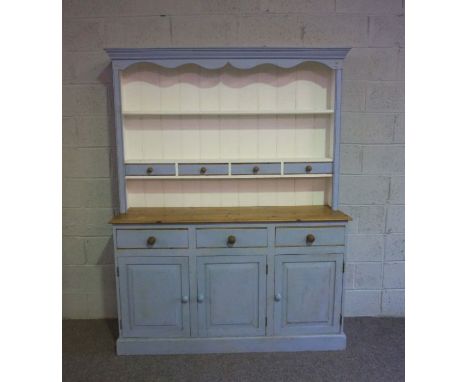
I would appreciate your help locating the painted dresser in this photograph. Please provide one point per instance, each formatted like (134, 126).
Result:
(228, 237)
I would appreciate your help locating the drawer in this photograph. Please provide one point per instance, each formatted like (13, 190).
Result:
(299, 236)
(203, 169)
(152, 238)
(307, 168)
(255, 168)
(232, 237)
(150, 169)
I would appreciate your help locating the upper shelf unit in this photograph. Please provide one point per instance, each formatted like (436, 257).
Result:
(239, 108)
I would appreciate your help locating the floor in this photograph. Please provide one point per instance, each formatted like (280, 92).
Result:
(375, 352)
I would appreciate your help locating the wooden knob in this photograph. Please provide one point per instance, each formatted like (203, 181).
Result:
(203, 170)
(149, 170)
(231, 239)
(256, 169)
(184, 299)
(278, 297)
(308, 168)
(151, 240)
(310, 238)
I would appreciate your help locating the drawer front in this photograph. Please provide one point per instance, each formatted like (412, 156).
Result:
(255, 168)
(232, 237)
(203, 169)
(301, 236)
(150, 169)
(307, 168)
(152, 238)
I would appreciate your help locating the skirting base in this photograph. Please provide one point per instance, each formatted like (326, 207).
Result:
(134, 346)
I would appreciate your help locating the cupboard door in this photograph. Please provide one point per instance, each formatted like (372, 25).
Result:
(231, 295)
(307, 294)
(154, 296)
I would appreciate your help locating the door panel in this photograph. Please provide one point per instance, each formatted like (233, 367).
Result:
(307, 294)
(231, 295)
(154, 294)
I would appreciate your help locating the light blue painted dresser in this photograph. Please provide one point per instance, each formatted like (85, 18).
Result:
(228, 237)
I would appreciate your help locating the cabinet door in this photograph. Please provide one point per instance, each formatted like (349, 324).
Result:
(154, 295)
(307, 294)
(231, 295)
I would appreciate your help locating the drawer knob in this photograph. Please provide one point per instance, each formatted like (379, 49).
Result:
(200, 298)
(256, 169)
(278, 297)
(184, 299)
(308, 168)
(149, 170)
(203, 170)
(310, 238)
(231, 239)
(151, 240)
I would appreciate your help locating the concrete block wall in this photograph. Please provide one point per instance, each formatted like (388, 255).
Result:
(372, 177)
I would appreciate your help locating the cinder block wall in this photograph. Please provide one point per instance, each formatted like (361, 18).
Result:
(372, 177)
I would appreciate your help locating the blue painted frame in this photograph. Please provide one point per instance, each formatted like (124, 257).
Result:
(214, 58)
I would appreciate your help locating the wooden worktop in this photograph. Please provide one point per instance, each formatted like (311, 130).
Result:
(187, 215)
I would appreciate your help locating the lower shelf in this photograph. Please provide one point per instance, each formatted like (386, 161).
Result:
(143, 346)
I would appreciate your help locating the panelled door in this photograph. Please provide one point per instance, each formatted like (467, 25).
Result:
(231, 295)
(307, 294)
(154, 294)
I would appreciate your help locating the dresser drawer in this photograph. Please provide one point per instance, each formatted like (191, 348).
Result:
(232, 237)
(309, 236)
(203, 169)
(307, 168)
(256, 168)
(152, 238)
(150, 169)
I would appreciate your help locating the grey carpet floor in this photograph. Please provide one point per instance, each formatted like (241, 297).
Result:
(375, 352)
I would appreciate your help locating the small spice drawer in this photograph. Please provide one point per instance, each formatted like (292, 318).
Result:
(307, 168)
(309, 236)
(256, 169)
(232, 237)
(152, 238)
(203, 169)
(150, 169)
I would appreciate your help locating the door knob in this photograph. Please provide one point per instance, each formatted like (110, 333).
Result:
(310, 238)
(200, 298)
(278, 297)
(184, 299)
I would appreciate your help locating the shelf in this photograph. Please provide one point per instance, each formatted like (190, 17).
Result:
(225, 160)
(217, 177)
(227, 112)
(180, 215)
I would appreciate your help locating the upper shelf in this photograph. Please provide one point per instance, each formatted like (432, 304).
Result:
(228, 112)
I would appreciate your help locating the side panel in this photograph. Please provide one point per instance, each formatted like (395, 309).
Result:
(154, 296)
(231, 295)
(307, 294)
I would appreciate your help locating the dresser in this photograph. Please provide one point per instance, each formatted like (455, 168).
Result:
(228, 237)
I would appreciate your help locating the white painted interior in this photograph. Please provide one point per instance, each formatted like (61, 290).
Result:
(192, 114)
(228, 192)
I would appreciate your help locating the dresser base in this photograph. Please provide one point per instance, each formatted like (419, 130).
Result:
(135, 346)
